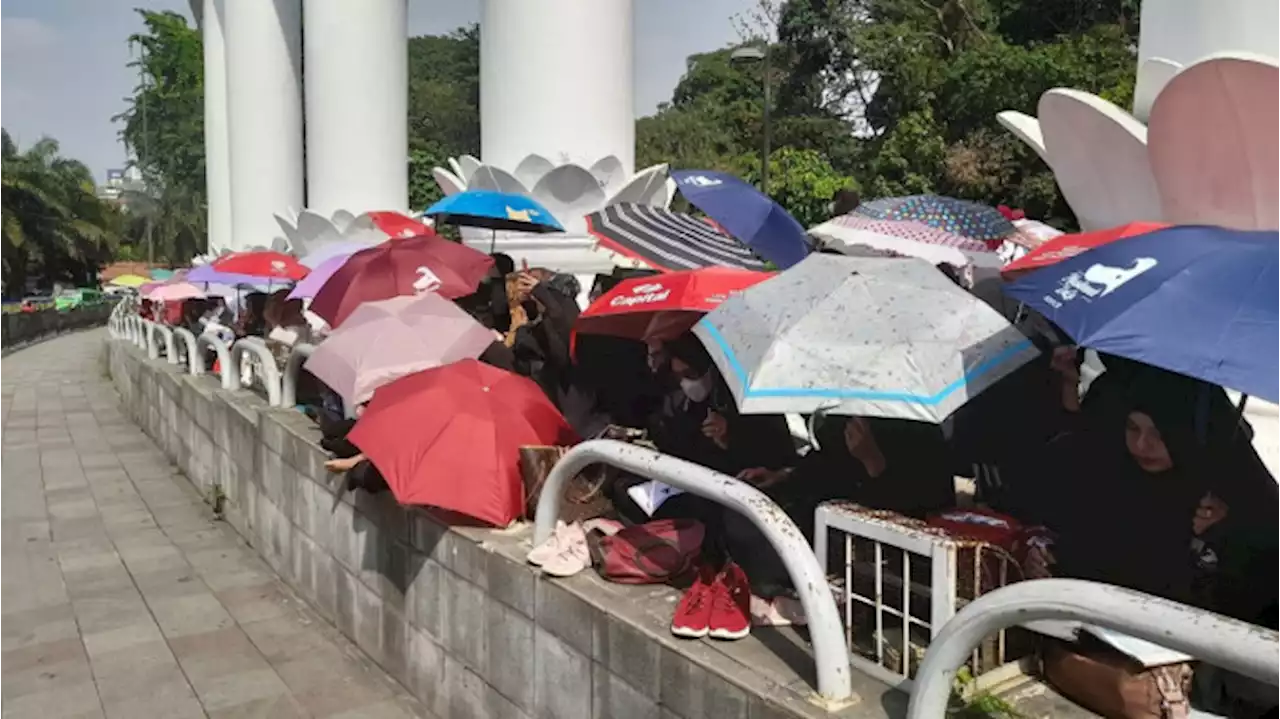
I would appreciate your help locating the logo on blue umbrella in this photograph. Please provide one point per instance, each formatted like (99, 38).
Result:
(1097, 281)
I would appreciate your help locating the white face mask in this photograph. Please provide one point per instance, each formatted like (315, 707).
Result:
(695, 389)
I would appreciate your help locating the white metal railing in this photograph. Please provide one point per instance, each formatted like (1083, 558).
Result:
(900, 581)
(187, 347)
(289, 382)
(153, 347)
(230, 373)
(830, 657)
(1233, 645)
(269, 374)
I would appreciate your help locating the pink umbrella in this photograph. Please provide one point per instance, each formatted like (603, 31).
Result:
(388, 339)
(175, 292)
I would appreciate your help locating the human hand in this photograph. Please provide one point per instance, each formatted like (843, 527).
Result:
(856, 435)
(525, 282)
(1211, 511)
(1063, 361)
(761, 477)
(716, 428)
(1039, 560)
(342, 465)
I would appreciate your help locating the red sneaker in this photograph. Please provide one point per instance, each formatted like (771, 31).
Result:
(693, 613)
(731, 604)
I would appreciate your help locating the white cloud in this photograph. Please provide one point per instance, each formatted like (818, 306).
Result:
(26, 34)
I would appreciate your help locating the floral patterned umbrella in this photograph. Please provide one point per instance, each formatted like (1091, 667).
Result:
(960, 217)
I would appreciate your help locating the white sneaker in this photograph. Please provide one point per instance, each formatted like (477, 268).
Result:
(539, 555)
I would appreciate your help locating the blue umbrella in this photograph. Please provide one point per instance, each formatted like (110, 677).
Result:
(494, 211)
(1200, 301)
(744, 212)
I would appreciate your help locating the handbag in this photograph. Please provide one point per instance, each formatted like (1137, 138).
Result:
(1112, 685)
(584, 496)
(655, 552)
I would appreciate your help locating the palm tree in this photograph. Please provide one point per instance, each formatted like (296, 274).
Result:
(165, 222)
(54, 225)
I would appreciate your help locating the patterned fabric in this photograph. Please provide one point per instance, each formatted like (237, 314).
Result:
(668, 240)
(911, 230)
(961, 217)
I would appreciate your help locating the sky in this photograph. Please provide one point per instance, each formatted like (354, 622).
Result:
(63, 62)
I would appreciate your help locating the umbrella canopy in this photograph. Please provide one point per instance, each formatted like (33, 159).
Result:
(310, 285)
(495, 211)
(450, 437)
(134, 281)
(206, 274)
(161, 274)
(746, 213)
(263, 264)
(863, 237)
(874, 337)
(1196, 300)
(668, 240)
(383, 341)
(175, 292)
(664, 306)
(959, 217)
(1065, 247)
(403, 267)
(330, 250)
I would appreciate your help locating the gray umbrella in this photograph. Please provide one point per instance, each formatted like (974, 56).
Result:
(874, 337)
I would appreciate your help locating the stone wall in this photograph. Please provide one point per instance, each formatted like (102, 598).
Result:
(453, 612)
(23, 328)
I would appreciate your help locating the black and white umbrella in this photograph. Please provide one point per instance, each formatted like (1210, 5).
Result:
(668, 240)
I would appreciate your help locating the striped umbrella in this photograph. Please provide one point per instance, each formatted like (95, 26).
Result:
(667, 240)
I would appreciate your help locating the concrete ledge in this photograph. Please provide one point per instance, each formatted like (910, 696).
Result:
(453, 612)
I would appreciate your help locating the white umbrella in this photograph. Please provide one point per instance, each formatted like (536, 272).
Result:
(858, 242)
(874, 337)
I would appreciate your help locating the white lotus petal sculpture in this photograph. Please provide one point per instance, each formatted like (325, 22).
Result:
(1210, 156)
(1213, 143)
(569, 191)
(306, 232)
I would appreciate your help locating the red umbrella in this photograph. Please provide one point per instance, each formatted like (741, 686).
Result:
(450, 437)
(262, 263)
(663, 306)
(398, 225)
(1064, 247)
(402, 267)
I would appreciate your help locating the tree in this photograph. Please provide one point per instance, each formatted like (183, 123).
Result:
(164, 131)
(444, 106)
(55, 229)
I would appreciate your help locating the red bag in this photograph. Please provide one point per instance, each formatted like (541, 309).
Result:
(651, 553)
(982, 525)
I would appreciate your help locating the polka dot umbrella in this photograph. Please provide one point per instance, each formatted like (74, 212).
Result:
(959, 217)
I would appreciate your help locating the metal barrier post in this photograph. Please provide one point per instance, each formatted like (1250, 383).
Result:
(230, 372)
(153, 347)
(819, 606)
(289, 383)
(1233, 645)
(188, 345)
(270, 373)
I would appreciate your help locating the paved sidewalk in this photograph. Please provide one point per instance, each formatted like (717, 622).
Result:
(122, 597)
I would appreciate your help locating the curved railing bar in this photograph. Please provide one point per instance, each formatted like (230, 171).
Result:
(149, 340)
(153, 347)
(829, 652)
(289, 384)
(270, 373)
(187, 346)
(1233, 645)
(230, 372)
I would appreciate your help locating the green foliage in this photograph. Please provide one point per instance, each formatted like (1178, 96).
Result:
(803, 182)
(164, 130)
(444, 106)
(55, 228)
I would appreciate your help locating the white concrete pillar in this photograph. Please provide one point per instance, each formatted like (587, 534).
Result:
(357, 89)
(556, 80)
(217, 162)
(264, 110)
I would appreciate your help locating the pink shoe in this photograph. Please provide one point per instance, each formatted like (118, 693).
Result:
(548, 549)
(573, 556)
